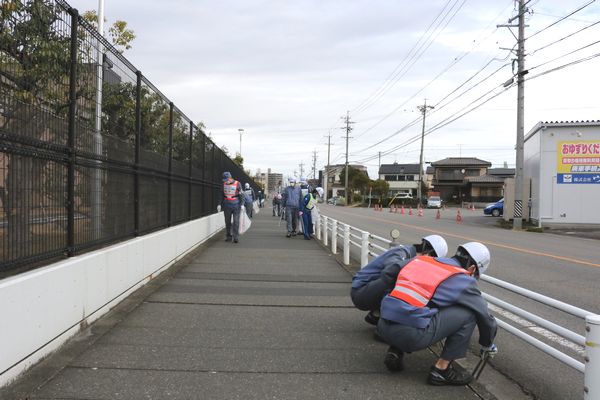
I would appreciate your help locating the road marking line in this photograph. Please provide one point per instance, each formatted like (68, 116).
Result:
(539, 330)
(437, 231)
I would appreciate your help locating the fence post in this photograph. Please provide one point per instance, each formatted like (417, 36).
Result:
(318, 227)
(346, 244)
(591, 384)
(136, 168)
(364, 249)
(71, 133)
(334, 224)
(190, 172)
(325, 230)
(170, 184)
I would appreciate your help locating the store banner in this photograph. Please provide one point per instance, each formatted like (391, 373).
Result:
(578, 162)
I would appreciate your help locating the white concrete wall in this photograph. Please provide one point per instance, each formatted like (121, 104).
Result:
(43, 308)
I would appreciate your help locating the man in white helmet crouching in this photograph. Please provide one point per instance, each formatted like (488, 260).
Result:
(435, 299)
(371, 283)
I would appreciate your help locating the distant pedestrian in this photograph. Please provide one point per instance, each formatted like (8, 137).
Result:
(249, 198)
(276, 204)
(291, 202)
(231, 204)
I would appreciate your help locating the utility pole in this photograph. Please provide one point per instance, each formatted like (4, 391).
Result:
(423, 110)
(379, 165)
(521, 72)
(301, 165)
(314, 168)
(326, 177)
(348, 129)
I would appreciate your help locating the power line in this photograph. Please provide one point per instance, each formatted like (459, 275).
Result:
(563, 38)
(561, 19)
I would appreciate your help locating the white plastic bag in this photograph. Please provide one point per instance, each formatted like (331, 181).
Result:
(245, 221)
(255, 207)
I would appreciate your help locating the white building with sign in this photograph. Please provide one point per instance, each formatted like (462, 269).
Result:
(562, 159)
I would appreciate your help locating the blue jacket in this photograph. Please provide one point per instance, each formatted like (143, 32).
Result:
(461, 290)
(391, 262)
(291, 197)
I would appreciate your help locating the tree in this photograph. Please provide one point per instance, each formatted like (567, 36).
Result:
(239, 160)
(380, 188)
(357, 181)
(120, 36)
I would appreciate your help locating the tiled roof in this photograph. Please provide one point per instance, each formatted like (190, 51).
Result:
(399, 169)
(501, 171)
(457, 161)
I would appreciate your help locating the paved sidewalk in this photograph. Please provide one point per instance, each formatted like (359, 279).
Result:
(267, 318)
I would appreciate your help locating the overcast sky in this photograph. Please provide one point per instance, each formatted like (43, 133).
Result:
(288, 71)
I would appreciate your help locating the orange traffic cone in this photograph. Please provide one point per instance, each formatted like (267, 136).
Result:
(438, 214)
(472, 207)
(420, 213)
(458, 217)
(402, 211)
(410, 211)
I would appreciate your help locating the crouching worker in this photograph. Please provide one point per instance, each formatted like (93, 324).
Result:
(435, 299)
(376, 279)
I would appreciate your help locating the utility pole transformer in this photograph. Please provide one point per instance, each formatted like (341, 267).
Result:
(423, 110)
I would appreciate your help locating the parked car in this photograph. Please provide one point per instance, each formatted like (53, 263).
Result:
(496, 209)
(332, 200)
(434, 202)
(404, 196)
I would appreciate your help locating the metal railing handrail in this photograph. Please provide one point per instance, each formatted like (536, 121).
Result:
(591, 341)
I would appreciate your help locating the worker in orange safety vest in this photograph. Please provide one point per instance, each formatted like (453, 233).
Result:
(435, 299)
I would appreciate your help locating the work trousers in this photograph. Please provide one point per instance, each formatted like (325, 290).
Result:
(233, 228)
(307, 227)
(291, 217)
(455, 324)
(368, 297)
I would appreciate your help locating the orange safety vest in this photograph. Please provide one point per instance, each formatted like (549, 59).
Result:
(419, 279)
(230, 190)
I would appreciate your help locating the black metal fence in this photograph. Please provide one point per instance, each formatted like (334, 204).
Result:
(91, 152)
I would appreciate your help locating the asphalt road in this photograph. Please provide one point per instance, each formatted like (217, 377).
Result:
(566, 268)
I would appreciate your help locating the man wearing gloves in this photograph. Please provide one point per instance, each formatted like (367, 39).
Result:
(231, 204)
(309, 201)
(435, 299)
(377, 278)
(291, 202)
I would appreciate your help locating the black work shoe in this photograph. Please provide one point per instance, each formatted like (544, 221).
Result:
(371, 318)
(448, 376)
(393, 359)
(288, 235)
(228, 239)
(235, 240)
(294, 233)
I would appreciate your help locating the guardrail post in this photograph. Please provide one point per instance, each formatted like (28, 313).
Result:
(334, 224)
(364, 249)
(346, 244)
(325, 223)
(318, 227)
(591, 384)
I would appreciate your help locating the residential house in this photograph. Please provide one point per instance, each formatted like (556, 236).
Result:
(402, 178)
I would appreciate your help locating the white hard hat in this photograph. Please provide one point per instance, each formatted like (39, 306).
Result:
(247, 185)
(478, 253)
(438, 244)
(303, 179)
(292, 180)
(320, 191)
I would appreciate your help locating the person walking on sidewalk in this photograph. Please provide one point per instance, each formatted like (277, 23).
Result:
(276, 204)
(231, 204)
(435, 299)
(291, 202)
(309, 201)
(371, 283)
(248, 199)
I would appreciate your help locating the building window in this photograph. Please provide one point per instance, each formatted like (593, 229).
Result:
(410, 178)
(391, 178)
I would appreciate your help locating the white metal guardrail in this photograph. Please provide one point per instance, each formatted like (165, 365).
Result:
(330, 230)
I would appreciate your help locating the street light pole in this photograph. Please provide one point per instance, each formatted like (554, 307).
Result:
(241, 131)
